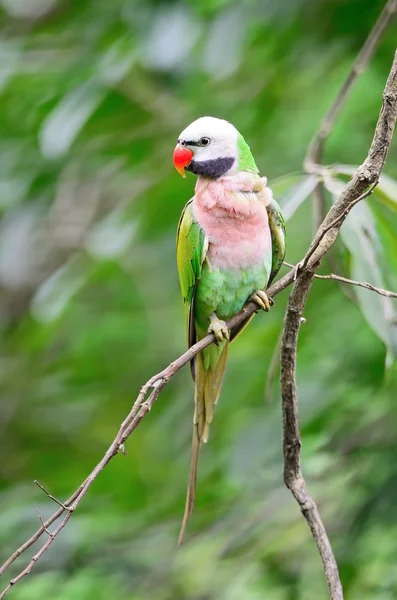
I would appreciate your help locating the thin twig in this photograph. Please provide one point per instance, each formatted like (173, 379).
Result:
(358, 187)
(48, 532)
(37, 556)
(362, 284)
(64, 506)
(38, 533)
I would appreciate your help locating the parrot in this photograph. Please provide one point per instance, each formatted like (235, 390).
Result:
(230, 246)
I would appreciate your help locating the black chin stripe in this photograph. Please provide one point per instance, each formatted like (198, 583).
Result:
(211, 168)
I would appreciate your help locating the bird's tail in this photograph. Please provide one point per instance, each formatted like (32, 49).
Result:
(209, 370)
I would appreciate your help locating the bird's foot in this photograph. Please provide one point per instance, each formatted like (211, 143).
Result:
(262, 300)
(218, 328)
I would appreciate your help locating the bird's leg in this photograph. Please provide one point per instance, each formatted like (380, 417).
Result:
(218, 328)
(262, 300)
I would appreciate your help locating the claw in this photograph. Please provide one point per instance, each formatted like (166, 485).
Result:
(218, 328)
(262, 300)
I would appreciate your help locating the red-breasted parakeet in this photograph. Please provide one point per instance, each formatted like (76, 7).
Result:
(230, 246)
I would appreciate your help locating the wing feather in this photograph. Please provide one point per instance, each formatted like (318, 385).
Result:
(277, 231)
(191, 250)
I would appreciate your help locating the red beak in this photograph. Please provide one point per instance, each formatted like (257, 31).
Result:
(182, 157)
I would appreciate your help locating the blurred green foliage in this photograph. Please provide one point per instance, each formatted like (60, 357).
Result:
(93, 95)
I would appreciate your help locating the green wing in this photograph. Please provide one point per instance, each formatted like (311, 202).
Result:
(191, 250)
(277, 230)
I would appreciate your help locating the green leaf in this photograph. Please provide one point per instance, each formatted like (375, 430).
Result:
(360, 236)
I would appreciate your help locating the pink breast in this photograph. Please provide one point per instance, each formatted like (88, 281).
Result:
(234, 220)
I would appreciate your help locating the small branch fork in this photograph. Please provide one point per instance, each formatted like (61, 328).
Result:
(365, 177)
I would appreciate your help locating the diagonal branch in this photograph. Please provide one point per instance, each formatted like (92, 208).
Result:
(292, 442)
(358, 187)
(144, 402)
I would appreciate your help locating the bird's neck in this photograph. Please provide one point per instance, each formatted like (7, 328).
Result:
(242, 193)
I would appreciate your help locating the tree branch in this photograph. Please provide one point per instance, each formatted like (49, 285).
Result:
(292, 442)
(362, 284)
(358, 187)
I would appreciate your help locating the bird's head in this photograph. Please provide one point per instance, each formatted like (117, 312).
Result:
(212, 148)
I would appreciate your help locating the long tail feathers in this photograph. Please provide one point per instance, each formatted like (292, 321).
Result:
(191, 490)
(208, 383)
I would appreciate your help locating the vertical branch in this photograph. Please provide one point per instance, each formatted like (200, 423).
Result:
(292, 443)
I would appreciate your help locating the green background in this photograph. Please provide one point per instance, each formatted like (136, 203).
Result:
(93, 95)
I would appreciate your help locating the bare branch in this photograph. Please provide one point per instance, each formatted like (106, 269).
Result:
(38, 555)
(358, 187)
(292, 443)
(362, 284)
(48, 532)
(38, 533)
(64, 506)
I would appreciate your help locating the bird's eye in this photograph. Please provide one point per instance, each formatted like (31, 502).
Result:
(181, 142)
(204, 141)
